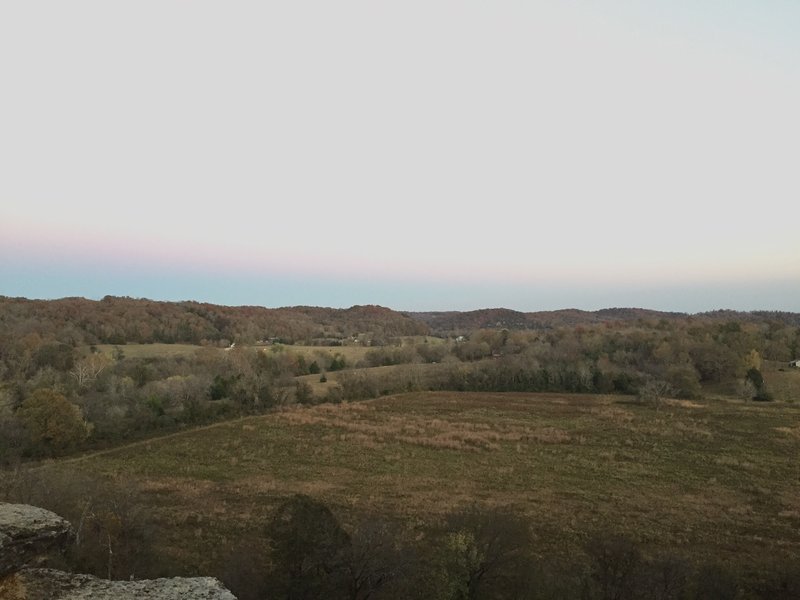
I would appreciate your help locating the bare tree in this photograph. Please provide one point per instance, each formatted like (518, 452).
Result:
(89, 368)
(654, 391)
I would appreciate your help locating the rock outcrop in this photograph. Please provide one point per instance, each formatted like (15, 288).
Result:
(27, 533)
(41, 584)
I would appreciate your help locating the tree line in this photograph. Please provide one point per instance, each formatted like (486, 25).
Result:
(57, 397)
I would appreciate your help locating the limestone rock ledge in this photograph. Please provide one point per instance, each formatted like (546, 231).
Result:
(49, 584)
(27, 533)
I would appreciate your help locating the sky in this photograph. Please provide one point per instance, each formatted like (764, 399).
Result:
(422, 155)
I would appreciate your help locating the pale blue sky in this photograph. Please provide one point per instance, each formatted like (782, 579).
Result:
(421, 155)
(57, 281)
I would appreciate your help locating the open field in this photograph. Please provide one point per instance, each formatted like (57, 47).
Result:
(783, 382)
(707, 479)
(150, 350)
(352, 354)
(416, 376)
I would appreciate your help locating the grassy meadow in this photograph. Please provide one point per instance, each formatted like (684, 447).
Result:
(416, 376)
(352, 354)
(783, 382)
(148, 350)
(717, 478)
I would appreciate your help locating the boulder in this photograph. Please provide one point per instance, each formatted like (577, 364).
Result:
(27, 533)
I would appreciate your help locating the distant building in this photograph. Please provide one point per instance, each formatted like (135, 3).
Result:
(795, 363)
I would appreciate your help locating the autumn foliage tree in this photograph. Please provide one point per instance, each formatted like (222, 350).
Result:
(52, 422)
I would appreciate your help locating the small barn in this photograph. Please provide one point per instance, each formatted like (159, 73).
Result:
(795, 363)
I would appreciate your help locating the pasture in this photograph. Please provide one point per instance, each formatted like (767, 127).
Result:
(783, 382)
(351, 354)
(713, 478)
(149, 350)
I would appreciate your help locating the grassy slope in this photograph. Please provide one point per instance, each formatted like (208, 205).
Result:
(783, 382)
(352, 354)
(716, 479)
(149, 350)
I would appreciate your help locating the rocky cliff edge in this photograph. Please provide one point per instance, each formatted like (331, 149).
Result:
(28, 533)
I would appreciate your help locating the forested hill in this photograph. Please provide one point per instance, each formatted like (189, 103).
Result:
(488, 318)
(497, 318)
(115, 320)
(120, 320)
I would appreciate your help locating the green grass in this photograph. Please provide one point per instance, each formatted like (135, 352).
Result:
(708, 479)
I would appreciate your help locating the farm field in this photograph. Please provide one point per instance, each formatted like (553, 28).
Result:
(416, 376)
(351, 354)
(714, 478)
(783, 382)
(149, 350)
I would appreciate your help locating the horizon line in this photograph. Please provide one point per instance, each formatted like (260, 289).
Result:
(398, 310)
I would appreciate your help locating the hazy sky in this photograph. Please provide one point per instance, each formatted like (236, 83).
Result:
(420, 155)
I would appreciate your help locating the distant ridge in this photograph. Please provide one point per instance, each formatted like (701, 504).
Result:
(120, 320)
(511, 319)
(489, 318)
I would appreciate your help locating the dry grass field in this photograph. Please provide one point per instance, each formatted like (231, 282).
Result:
(716, 478)
(406, 376)
(783, 382)
(150, 350)
(352, 354)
